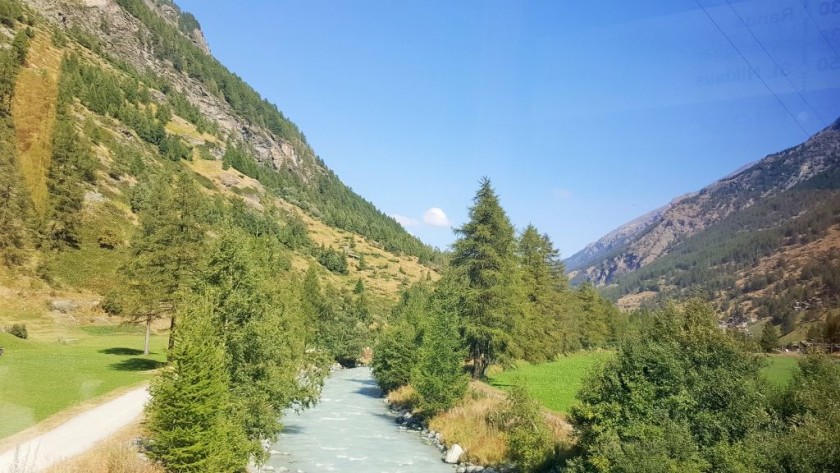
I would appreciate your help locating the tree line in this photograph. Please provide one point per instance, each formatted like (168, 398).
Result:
(502, 298)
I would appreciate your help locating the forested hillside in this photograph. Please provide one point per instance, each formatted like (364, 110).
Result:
(134, 197)
(760, 243)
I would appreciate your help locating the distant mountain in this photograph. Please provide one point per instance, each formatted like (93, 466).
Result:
(718, 241)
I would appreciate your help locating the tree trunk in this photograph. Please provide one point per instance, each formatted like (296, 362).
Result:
(172, 333)
(148, 333)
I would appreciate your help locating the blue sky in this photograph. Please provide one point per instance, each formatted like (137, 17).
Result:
(584, 115)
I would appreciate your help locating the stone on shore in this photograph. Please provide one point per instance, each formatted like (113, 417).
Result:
(454, 454)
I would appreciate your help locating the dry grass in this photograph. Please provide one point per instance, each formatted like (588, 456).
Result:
(468, 425)
(404, 397)
(33, 112)
(115, 455)
(387, 271)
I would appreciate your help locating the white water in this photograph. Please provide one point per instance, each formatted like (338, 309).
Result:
(350, 430)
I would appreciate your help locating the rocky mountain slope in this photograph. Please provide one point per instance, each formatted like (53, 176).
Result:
(719, 240)
(106, 96)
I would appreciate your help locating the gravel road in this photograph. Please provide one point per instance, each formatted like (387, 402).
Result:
(75, 436)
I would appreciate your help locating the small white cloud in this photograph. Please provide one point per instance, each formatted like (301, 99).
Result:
(436, 218)
(405, 221)
(561, 193)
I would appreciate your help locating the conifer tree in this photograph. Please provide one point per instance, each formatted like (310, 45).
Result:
(543, 280)
(439, 377)
(14, 212)
(396, 350)
(484, 266)
(263, 332)
(190, 418)
(165, 252)
(769, 337)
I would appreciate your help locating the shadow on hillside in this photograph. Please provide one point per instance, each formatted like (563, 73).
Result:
(121, 351)
(137, 364)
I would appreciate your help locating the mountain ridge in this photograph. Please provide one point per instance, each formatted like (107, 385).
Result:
(757, 242)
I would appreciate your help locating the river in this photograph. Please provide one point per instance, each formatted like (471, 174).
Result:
(350, 430)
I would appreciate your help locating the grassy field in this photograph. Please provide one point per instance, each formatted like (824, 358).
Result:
(555, 384)
(780, 368)
(40, 378)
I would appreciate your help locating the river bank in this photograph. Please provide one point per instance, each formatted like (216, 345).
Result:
(351, 430)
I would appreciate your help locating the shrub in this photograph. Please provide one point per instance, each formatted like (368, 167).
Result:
(528, 437)
(18, 330)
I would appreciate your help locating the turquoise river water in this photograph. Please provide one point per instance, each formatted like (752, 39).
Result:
(350, 430)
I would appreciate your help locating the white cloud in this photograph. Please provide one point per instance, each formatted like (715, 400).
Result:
(436, 218)
(405, 221)
(561, 193)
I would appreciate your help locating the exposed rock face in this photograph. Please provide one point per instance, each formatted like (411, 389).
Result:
(123, 37)
(643, 240)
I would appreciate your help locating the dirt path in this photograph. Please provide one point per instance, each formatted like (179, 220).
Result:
(76, 435)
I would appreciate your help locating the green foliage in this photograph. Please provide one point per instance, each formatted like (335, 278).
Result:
(681, 397)
(332, 259)
(165, 251)
(528, 438)
(15, 213)
(191, 418)
(483, 269)
(769, 337)
(438, 376)
(72, 166)
(395, 354)
(18, 330)
(10, 12)
(808, 440)
(262, 329)
(544, 282)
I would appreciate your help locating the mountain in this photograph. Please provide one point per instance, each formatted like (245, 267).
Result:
(101, 98)
(759, 241)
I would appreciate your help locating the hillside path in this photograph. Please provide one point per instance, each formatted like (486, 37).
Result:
(75, 436)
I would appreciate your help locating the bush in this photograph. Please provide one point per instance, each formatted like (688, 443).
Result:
(18, 330)
(528, 437)
(111, 304)
(438, 376)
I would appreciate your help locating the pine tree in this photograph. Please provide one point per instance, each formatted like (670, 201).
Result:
(15, 210)
(439, 377)
(190, 418)
(537, 334)
(165, 252)
(484, 266)
(262, 328)
(769, 337)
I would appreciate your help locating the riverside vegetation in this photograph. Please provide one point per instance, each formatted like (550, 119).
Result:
(249, 278)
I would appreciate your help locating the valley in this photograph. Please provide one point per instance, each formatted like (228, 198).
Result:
(172, 243)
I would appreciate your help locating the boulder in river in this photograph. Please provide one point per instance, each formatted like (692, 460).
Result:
(454, 454)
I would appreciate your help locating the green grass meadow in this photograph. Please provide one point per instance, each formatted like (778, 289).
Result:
(555, 384)
(39, 378)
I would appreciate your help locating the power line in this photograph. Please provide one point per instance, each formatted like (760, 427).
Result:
(778, 68)
(731, 43)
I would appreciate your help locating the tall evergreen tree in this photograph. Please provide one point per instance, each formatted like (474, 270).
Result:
(165, 252)
(439, 378)
(261, 325)
(190, 418)
(484, 266)
(536, 335)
